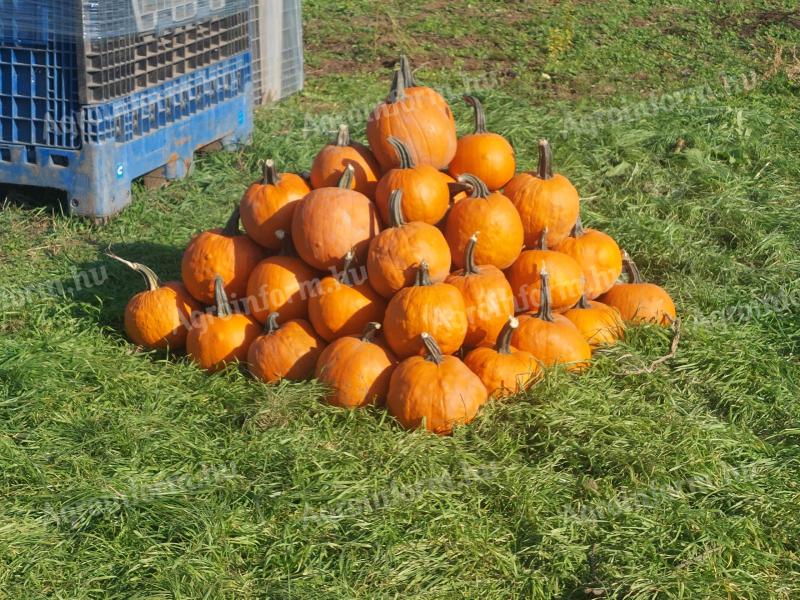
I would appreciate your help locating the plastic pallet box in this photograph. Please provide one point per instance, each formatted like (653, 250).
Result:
(277, 47)
(113, 143)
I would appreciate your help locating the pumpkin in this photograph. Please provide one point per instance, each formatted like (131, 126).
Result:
(437, 392)
(222, 336)
(281, 284)
(504, 370)
(566, 278)
(330, 222)
(224, 252)
(598, 255)
(289, 351)
(486, 155)
(494, 216)
(268, 205)
(160, 316)
(418, 116)
(600, 324)
(425, 192)
(433, 307)
(638, 301)
(395, 253)
(357, 369)
(330, 163)
(551, 338)
(544, 200)
(487, 296)
(339, 306)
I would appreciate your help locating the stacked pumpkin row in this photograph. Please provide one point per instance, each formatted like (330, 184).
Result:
(426, 259)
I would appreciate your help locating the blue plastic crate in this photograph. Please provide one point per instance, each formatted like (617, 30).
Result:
(158, 128)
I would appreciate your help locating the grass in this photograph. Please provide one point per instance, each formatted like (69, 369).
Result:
(682, 483)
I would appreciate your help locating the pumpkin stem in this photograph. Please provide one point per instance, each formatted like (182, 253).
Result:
(221, 298)
(396, 209)
(231, 228)
(479, 189)
(149, 275)
(271, 326)
(630, 268)
(285, 238)
(545, 160)
(346, 180)
(398, 90)
(434, 352)
(349, 261)
(480, 115)
(504, 339)
(577, 229)
(583, 302)
(406, 161)
(423, 274)
(543, 240)
(469, 260)
(271, 176)
(370, 331)
(343, 137)
(408, 75)
(545, 311)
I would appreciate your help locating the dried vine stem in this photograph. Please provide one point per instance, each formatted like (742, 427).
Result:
(673, 349)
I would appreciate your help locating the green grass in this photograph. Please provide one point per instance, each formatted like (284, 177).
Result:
(682, 483)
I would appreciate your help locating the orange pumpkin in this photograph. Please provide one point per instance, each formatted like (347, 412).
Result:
(487, 296)
(340, 306)
(330, 163)
(395, 253)
(437, 392)
(600, 324)
(494, 216)
(504, 370)
(268, 205)
(332, 221)
(222, 336)
(357, 369)
(598, 255)
(486, 155)
(289, 351)
(434, 307)
(544, 200)
(638, 301)
(426, 196)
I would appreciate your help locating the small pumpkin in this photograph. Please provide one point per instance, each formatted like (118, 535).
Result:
(268, 205)
(395, 253)
(504, 370)
(330, 163)
(281, 284)
(486, 155)
(289, 351)
(341, 307)
(551, 338)
(437, 392)
(433, 307)
(600, 324)
(494, 216)
(331, 221)
(160, 316)
(566, 278)
(544, 200)
(638, 301)
(357, 369)
(425, 192)
(598, 255)
(220, 337)
(487, 296)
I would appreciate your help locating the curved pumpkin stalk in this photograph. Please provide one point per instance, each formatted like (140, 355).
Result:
(504, 339)
(150, 277)
(545, 170)
(480, 115)
(434, 352)
(370, 331)
(222, 306)
(545, 310)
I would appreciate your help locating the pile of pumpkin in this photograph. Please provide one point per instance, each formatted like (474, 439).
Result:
(400, 274)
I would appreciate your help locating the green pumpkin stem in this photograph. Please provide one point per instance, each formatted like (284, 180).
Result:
(470, 268)
(545, 160)
(423, 274)
(543, 240)
(270, 173)
(577, 229)
(344, 275)
(434, 352)
(403, 154)
(504, 339)
(397, 92)
(343, 137)
(370, 331)
(583, 302)
(149, 275)
(480, 115)
(545, 311)
(221, 298)
(396, 209)
(478, 189)
(271, 326)
(231, 228)
(346, 180)
(408, 74)
(630, 268)
(285, 238)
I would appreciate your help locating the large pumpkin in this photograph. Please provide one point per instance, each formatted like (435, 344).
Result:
(600, 324)
(289, 351)
(330, 163)
(598, 255)
(638, 301)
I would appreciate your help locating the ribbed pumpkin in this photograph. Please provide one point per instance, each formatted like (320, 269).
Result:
(160, 316)
(638, 301)
(600, 324)
(598, 255)
(487, 296)
(289, 351)
(357, 369)
(225, 252)
(418, 116)
(222, 336)
(544, 200)
(437, 392)
(494, 216)
(566, 278)
(426, 196)
(504, 370)
(486, 155)
(551, 338)
(281, 284)
(343, 304)
(437, 308)
(395, 253)
(330, 222)
(330, 163)
(268, 205)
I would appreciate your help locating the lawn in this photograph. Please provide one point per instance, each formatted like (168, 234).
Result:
(125, 474)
